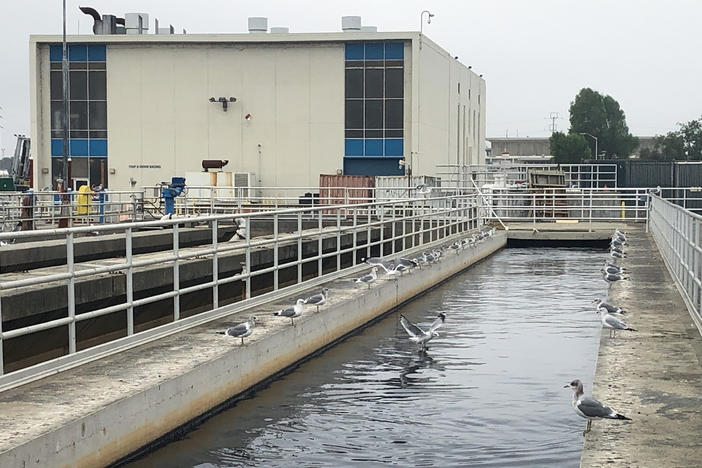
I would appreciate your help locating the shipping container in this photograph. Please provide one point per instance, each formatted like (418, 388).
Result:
(345, 189)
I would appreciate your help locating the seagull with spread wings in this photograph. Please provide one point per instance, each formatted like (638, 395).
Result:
(419, 336)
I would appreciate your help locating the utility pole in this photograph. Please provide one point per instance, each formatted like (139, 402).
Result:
(554, 116)
(64, 73)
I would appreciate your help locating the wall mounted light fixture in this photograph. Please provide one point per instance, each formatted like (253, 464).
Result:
(224, 101)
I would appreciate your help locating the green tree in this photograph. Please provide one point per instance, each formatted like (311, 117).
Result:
(601, 116)
(569, 149)
(684, 144)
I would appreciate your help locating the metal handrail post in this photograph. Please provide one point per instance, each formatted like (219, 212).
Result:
(338, 239)
(215, 265)
(71, 294)
(248, 259)
(299, 247)
(589, 229)
(276, 247)
(176, 273)
(130, 284)
(355, 237)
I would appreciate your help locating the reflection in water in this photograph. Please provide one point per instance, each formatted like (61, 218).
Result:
(488, 391)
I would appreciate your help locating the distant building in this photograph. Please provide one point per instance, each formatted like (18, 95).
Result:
(540, 146)
(147, 107)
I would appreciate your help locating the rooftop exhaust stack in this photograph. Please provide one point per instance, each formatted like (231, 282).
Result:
(280, 30)
(258, 24)
(136, 23)
(369, 28)
(350, 23)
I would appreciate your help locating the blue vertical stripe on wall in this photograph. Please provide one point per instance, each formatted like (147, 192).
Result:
(55, 52)
(56, 147)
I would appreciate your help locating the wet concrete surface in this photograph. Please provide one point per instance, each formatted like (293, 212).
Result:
(653, 376)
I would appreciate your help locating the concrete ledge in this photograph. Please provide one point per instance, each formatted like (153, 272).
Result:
(98, 413)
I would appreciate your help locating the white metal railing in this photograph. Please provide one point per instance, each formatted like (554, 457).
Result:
(42, 209)
(522, 205)
(678, 234)
(390, 228)
(576, 175)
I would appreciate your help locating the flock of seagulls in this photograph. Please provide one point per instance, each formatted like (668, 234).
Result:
(587, 407)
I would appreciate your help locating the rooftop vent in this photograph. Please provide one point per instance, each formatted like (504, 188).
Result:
(280, 30)
(258, 24)
(369, 28)
(350, 23)
(136, 23)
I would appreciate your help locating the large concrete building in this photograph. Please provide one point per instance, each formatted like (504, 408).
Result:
(147, 107)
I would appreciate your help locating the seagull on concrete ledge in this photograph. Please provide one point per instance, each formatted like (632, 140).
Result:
(612, 268)
(292, 312)
(369, 278)
(318, 299)
(375, 261)
(241, 330)
(610, 308)
(589, 408)
(419, 336)
(407, 262)
(612, 277)
(616, 254)
(612, 323)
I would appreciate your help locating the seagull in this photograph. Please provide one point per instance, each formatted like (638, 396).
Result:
(318, 299)
(617, 243)
(612, 323)
(375, 261)
(619, 233)
(616, 254)
(612, 277)
(240, 233)
(614, 248)
(241, 330)
(292, 312)
(609, 307)
(369, 278)
(395, 270)
(613, 269)
(407, 262)
(456, 246)
(419, 336)
(423, 189)
(589, 408)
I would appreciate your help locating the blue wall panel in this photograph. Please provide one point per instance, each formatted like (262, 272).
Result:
(353, 147)
(354, 51)
(372, 166)
(394, 147)
(374, 147)
(98, 147)
(394, 51)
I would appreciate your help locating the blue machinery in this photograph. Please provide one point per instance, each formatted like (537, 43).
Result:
(169, 193)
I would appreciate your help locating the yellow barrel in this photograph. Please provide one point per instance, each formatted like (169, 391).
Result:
(84, 199)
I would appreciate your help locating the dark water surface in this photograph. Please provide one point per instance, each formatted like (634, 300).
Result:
(488, 392)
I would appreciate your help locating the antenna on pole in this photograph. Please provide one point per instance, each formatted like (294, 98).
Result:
(553, 117)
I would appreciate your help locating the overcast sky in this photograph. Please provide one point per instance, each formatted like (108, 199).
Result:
(535, 55)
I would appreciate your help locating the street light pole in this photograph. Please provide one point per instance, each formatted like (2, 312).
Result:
(592, 136)
(64, 73)
(430, 15)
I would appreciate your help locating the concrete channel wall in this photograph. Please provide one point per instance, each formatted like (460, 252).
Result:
(96, 414)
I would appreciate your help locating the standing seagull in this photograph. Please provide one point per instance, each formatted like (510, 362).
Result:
(369, 278)
(318, 299)
(292, 312)
(609, 307)
(612, 323)
(589, 408)
(242, 330)
(419, 336)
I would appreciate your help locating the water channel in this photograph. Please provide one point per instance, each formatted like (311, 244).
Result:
(488, 392)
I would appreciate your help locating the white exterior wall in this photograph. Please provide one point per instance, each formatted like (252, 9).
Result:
(448, 126)
(159, 113)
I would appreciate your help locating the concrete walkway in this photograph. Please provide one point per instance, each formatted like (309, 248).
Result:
(653, 376)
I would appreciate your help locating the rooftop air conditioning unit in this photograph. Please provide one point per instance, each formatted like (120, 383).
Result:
(246, 186)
